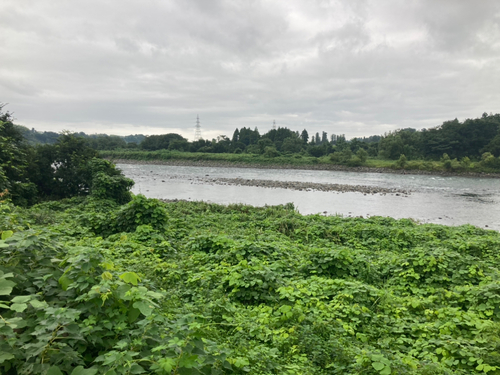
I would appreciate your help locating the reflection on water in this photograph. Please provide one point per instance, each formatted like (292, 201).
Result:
(434, 199)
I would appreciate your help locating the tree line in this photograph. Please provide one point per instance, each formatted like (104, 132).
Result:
(470, 138)
(96, 141)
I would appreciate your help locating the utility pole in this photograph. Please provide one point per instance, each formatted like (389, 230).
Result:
(197, 129)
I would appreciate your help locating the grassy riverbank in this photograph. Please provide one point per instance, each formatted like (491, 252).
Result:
(88, 286)
(301, 161)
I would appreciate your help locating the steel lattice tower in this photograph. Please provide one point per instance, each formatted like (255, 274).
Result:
(197, 129)
(274, 124)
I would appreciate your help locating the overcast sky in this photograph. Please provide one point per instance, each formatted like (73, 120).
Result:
(358, 67)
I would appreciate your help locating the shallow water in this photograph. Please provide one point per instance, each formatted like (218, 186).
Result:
(433, 199)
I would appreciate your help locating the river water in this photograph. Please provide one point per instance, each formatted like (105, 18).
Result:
(433, 199)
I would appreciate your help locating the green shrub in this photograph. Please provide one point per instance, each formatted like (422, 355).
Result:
(341, 157)
(489, 161)
(140, 211)
(82, 315)
(253, 281)
(362, 155)
(271, 152)
(401, 162)
(115, 187)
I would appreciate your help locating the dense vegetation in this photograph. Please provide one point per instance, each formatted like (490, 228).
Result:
(67, 168)
(103, 282)
(91, 287)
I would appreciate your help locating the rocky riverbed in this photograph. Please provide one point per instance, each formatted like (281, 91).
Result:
(291, 185)
(307, 186)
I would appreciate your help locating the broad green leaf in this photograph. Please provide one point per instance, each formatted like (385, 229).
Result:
(38, 304)
(6, 356)
(6, 234)
(136, 369)
(54, 370)
(144, 308)
(378, 366)
(19, 307)
(65, 281)
(122, 290)
(386, 371)
(21, 299)
(107, 275)
(130, 277)
(133, 314)
(6, 287)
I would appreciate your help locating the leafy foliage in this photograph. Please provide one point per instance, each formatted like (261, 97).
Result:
(187, 287)
(14, 159)
(67, 168)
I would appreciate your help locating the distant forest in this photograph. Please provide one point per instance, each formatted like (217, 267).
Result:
(97, 141)
(470, 138)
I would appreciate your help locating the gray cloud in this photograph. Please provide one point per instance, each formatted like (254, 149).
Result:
(354, 67)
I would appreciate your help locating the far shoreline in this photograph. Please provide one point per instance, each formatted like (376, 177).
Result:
(319, 167)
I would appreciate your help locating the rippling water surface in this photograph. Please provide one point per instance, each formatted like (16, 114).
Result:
(434, 199)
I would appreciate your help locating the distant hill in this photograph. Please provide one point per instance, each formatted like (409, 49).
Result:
(97, 141)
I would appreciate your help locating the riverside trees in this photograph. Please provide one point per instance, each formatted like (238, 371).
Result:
(470, 138)
(54, 171)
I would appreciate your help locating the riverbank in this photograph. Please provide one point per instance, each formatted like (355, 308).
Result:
(320, 167)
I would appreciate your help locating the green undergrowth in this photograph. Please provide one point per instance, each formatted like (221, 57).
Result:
(91, 287)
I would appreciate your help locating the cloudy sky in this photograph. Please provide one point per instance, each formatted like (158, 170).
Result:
(354, 67)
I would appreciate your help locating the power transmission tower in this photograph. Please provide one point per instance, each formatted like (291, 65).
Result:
(274, 124)
(197, 129)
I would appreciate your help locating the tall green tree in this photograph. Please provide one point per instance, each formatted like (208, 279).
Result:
(71, 168)
(304, 136)
(14, 160)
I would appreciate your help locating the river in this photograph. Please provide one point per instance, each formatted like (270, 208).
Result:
(433, 199)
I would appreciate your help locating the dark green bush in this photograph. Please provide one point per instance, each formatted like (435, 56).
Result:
(141, 211)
